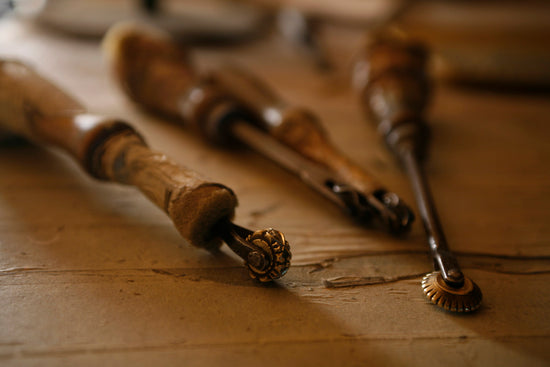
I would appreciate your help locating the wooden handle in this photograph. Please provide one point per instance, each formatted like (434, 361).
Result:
(32, 107)
(296, 127)
(157, 75)
(153, 72)
(394, 90)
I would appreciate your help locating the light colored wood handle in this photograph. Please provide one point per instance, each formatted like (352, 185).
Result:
(32, 107)
(195, 205)
(26, 100)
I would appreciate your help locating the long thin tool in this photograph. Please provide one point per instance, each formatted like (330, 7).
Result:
(228, 105)
(395, 90)
(110, 149)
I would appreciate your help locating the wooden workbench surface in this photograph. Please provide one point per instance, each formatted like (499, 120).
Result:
(93, 274)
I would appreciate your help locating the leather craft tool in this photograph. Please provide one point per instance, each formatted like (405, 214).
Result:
(110, 149)
(395, 89)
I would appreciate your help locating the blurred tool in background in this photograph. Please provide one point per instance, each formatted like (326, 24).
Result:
(217, 21)
(486, 43)
(483, 42)
(301, 22)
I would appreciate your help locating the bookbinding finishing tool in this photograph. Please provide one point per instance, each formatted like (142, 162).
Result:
(110, 149)
(228, 105)
(394, 86)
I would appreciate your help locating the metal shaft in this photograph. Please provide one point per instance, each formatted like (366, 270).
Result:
(444, 260)
(313, 175)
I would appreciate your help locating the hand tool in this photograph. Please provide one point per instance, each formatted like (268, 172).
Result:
(395, 89)
(110, 149)
(229, 105)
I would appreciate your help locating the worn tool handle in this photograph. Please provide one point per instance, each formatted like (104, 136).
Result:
(394, 90)
(110, 149)
(157, 75)
(155, 72)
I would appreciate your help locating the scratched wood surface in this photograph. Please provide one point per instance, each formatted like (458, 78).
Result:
(93, 274)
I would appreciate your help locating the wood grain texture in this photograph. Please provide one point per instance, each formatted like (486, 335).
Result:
(94, 274)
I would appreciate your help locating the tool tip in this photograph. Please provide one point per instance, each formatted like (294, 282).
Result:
(467, 298)
(393, 212)
(274, 260)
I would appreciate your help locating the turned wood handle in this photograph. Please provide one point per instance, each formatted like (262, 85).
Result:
(394, 90)
(152, 71)
(110, 149)
(157, 75)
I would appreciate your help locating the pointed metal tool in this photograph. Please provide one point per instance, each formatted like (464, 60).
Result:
(395, 89)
